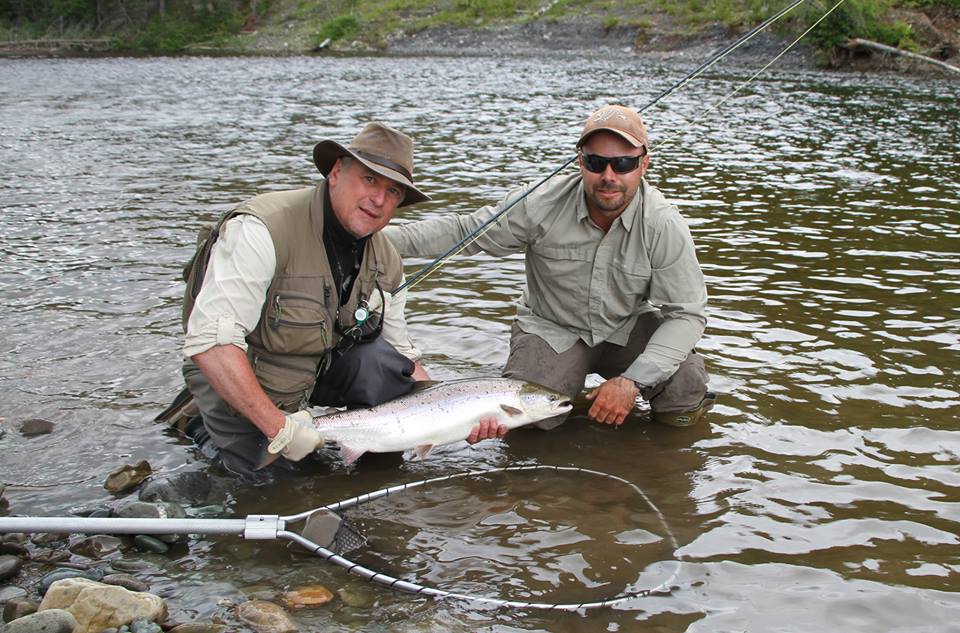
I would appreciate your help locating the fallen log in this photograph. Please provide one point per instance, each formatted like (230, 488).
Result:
(862, 43)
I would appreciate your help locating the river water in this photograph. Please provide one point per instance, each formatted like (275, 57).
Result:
(822, 495)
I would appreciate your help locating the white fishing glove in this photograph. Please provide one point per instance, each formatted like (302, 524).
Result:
(298, 438)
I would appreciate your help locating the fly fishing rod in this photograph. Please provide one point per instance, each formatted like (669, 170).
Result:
(328, 535)
(440, 260)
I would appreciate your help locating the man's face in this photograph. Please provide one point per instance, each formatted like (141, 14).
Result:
(608, 193)
(363, 200)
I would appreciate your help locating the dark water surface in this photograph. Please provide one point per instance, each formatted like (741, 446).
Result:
(822, 495)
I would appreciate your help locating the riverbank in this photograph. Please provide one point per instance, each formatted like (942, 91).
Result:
(554, 29)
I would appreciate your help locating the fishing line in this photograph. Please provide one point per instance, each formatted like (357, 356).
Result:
(662, 588)
(454, 250)
(743, 85)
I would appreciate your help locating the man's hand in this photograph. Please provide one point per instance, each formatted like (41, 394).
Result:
(298, 438)
(488, 428)
(613, 400)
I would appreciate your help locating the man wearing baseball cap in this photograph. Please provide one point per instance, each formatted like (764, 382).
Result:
(288, 304)
(613, 282)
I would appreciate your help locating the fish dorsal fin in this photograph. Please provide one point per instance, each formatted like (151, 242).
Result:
(511, 411)
(350, 454)
(423, 450)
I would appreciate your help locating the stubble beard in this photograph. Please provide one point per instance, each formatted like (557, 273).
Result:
(609, 204)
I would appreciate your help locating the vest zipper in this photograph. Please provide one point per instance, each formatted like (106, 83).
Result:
(277, 320)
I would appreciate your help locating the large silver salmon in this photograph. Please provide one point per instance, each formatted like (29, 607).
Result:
(439, 414)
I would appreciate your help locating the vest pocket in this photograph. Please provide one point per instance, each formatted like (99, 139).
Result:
(296, 321)
(287, 381)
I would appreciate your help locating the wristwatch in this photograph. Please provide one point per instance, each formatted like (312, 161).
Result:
(639, 385)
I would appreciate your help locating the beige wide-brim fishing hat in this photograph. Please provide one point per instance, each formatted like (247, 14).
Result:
(381, 148)
(619, 120)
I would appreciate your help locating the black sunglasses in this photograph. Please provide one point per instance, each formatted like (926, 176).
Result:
(620, 164)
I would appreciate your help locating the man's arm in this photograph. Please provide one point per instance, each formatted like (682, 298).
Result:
(431, 237)
(242, 265)
(231, 376)
(677, 287)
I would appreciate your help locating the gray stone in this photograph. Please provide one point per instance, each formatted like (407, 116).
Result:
(10, 592)
(134, 565)
(160, 510)
(144, 510)
(126, 581)
(9, 566)
(188, 488)
(61, 574)
(147, 543)
(206, 512)
(141, 625)
(17, 608)
(35, 426)
(47, 621)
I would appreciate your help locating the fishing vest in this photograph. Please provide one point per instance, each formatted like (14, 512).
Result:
(295, 334)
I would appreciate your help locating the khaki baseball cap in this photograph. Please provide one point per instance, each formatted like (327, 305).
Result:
(383, 149)
(622, 121)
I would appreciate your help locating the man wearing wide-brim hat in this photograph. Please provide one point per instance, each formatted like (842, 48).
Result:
(290, 303)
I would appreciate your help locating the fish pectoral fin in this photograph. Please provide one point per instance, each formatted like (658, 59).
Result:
(423, 450)
(349, 454)
(511, 411)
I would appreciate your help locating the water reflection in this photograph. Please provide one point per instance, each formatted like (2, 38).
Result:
(822, 496)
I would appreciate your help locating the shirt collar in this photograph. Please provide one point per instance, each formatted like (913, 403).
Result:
(629, 215)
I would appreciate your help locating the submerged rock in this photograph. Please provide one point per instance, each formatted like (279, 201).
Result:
(189, 488)
(35, 426)
(96, 546)
(198, 627)
(97, 606)
(160, 510)
(307, 597)
(147, 543)
(126, 581)
(266, 617)
(62, 574)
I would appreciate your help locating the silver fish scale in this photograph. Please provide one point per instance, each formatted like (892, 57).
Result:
(440, 414)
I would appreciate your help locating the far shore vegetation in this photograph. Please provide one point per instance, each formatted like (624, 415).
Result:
(178, 26)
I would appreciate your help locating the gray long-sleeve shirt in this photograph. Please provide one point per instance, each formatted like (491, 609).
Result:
(583, 283)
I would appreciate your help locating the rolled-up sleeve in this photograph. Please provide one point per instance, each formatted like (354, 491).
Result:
(242, 265)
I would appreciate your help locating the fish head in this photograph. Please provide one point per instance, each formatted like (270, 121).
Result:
(540, 402)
